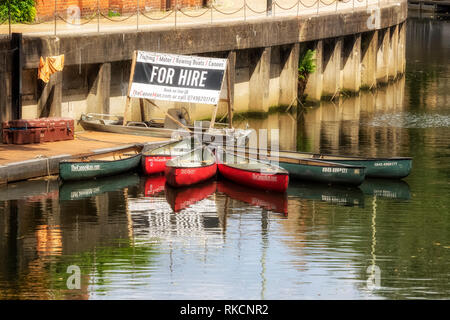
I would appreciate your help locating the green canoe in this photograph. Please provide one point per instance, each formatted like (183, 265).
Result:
(100, 164)
(75, 190)
(387, 168)
(323, 171)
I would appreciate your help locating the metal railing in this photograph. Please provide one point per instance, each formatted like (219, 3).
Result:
(177, 15)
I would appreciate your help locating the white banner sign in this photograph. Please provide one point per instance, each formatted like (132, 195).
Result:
(170, 77)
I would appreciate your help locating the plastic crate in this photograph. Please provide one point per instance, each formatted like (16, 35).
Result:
(7, 136)
(26, 136)
(29, 123)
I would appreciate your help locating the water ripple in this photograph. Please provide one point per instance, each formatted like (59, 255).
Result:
(410, 120)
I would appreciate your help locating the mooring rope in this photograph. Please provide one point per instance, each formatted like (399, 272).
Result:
(78, 24)
(116, 20)
(254, 11)
(41, 156)
(312, 5)
(279, 6)
(194, 16)
(227, 13)
(151, 18)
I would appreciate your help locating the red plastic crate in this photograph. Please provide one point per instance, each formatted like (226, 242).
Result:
(29, 123)
(26, 136)
(7, 136)
(40, 130)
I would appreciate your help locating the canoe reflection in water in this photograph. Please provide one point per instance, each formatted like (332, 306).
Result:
(273, 201)
(30, 190)
(154, 185)
(386, 188)
(182, 198)
(334, 194)
(75, 190)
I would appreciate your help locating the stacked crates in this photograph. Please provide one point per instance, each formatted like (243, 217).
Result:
(25, 131)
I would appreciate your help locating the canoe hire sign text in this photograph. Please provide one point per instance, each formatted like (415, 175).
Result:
(177, 78)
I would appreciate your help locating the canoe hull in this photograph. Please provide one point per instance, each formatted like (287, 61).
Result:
(382, 168)
(154, 164)
(77, 170)
(180, 177)
(260, 180)
(325, 174)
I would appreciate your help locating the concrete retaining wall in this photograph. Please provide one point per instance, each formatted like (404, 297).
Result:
(351, 53)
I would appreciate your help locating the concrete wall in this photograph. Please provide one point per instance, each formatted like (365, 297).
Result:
(264, 53)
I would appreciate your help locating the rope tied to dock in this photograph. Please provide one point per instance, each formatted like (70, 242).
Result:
(41, 156)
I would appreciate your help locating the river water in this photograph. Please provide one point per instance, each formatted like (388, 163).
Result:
(134, 238)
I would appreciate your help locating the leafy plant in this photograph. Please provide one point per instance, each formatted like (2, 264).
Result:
(21, 10)
(112, 13)
(306, 65)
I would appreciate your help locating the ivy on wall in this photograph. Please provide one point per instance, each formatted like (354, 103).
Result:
(21, 10)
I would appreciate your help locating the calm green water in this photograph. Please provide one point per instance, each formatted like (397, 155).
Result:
(134, 239)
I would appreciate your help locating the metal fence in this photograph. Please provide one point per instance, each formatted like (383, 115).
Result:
(176, 16)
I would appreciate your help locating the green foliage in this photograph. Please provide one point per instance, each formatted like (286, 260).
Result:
(112, 13)
(306, 64)
(21, 10)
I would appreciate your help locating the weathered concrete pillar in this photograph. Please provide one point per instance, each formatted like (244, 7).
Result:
(313, 88)
(383, 56)
(351, 62)
(369, 59)
(98, 99)
(241, 81)
(232, 68)
(289, 56)
(332, 50)
(401, 57)
(50, 94)
(259, 79)
(393, 52)
(275, 74)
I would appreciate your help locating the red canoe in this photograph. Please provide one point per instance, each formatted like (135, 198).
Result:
(191, 168)
(252, 172)
(154, 185)
(182, 198)
(154, 160)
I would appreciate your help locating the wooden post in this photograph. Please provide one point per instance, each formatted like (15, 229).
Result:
(213, 118)
(16, 75)
(230, 106)
(127, 105)
(141, 105)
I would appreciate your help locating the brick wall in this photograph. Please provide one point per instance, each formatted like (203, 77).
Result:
(46, 8)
